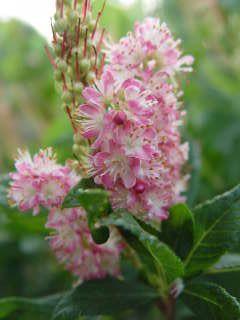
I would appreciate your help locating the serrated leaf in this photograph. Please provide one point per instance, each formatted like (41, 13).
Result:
(37, 306)
(157, 256)
(216, 230)
(95, 202)
(228, 263)
(177, 231)
(104, 297)
(210, 301)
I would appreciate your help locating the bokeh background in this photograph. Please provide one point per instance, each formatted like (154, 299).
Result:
(31, 115)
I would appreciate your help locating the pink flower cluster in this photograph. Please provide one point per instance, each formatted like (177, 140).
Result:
(40, 181)
(150, 50)
(75, 248)
(132, 118)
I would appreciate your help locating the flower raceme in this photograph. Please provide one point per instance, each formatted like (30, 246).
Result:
(130, 121)
(41, 181)
(132, 117)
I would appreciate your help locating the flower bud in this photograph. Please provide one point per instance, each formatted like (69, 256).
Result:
(78, 88)
(90, 77)
(139, 187)
(60, 25)
(67, 97)
(76, 149)
(62, 65)
(58, 75)
(84, 65)
(73, 17)
(119, 118)
(77, 139)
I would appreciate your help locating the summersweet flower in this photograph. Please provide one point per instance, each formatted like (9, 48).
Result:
(39, 181)
(149, 49)
(74, 247)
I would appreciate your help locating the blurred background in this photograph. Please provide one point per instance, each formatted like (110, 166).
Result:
(31, 115)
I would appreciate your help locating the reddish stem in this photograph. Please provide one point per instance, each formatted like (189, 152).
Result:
(50, 57)
(168, 308)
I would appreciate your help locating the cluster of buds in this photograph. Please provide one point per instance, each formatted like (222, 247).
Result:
(78, 59)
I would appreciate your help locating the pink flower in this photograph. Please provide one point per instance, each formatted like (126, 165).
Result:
(149, 49)
(133, 117)
(73, 245)
(138, 154)
(113, 164)
(39, 181)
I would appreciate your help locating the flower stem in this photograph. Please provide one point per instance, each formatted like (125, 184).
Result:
(168, 308)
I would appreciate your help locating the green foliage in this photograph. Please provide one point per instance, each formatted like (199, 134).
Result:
(177, 231)
(33, 307)
(228, 263)
(107, 296)
(95, 202)
(216, 230)
(156, 256)
(210, 301)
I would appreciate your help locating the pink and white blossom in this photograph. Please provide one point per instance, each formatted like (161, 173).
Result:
(149, 49)
(74, 247)
(40, 181)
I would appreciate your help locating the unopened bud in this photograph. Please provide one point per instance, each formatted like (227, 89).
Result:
(58, 75)
(119, 118)
(90, 77)
(78, 88)
(77, 139)
(91, 25)
(84, 65)
(139, 187)
(60, 25)
(67, 97)
(76, 149)
(73, 17)
(62, 65)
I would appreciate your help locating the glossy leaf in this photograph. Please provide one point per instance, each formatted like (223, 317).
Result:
(38, 306)
(106, 296)
(95, 202)
(177, 231)
(211, 302)
(216, 230)
(157, 256)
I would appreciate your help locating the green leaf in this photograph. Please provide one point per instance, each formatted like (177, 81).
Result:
(210, 301)
(90, 199)
(104, 297)
(95, 202)
(177, 231)
(228, 263)
(216, 230)
(37, 306)
(155, 255)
